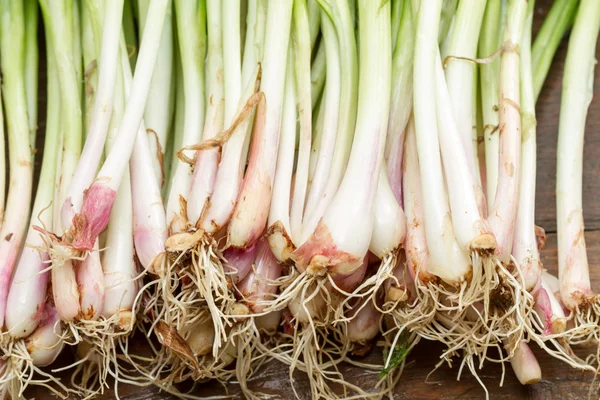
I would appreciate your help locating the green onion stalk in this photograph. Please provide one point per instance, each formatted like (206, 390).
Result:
(158, 113)
(16, 212)
(559, 19)
(31, 68)
(90, 41)
(489, 43)
(548, 323)
(577, 90)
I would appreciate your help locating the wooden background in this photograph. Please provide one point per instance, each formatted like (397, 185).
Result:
(559, 381)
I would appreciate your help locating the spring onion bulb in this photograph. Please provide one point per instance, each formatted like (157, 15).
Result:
(14, 225)
(416, 239)
(258, 287)
(389, 227)
(39, 349)
(573, 269)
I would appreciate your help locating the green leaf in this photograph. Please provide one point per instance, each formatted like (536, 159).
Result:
(399, 354)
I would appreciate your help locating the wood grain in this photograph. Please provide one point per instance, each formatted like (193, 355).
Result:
(559, 381)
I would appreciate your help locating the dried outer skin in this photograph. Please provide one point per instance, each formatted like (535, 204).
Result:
(98, 201)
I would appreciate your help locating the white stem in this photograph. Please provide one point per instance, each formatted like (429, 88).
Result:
(459, 77)
(350, 237)
(27, 293)
(149, 223)
(118, 257)
(231, 169)
(231, 60)
(549, 309)
(100, 196)
(504, 212)
(389, 227)
(402, 84)
(319, 120)
(417, 253)
(233, 159)
(525, 249)
(46, 343)
(15, 103)
(178, 126)
(467, 222)
(329, 130)
(446, 258)
(279, 212)
(490, 41)
(251, 210)
(90, 282)
(302, 51)
(254, 40)
(116, 162)
(206, 162)
(92, 150)
(159, 106)
(344, 25)
(3, 166)
(551, 281)
(192, 49)
(577, 90)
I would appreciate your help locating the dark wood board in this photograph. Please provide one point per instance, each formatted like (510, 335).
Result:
(559, 381)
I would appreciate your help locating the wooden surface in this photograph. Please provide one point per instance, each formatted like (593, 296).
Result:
(559, 381)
